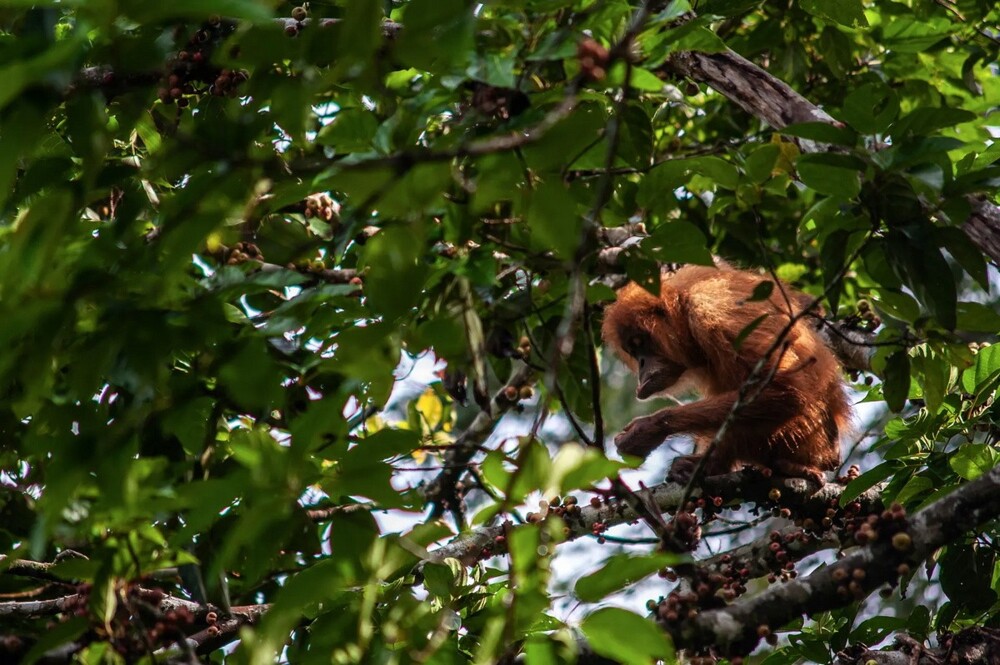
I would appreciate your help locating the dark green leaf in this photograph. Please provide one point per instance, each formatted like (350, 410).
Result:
(977, 317)
(833, 256)
(554, 219)
(679, 242)
(932, 374)
(872, 631)
(439, 35)
(967, 575)
(963, 250)
(762, 291)
(896, 382)
(822, 132)
(59, 634)
(351, 130)
(396, 275)
(850, 13)
(898, 305)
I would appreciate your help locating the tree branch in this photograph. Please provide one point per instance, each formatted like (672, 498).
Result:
(976, 645)
(735, 629)
(747, 486)
(762, 95)
(441, 491)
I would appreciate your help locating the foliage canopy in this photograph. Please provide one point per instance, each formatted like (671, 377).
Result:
(228, 228)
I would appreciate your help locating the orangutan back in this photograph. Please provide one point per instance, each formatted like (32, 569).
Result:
(703, 330)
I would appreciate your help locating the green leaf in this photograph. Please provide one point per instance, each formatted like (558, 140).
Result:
(15, 144)
(635, 136)
(986, 368)
(870, 108)
(439, 35)
(898, 305)
(966, 575)
(916, 487)
(850, 13)
(252, 377)
(554, 220)
(919, 622)
(574, 142)
(923, 267)
(501, 176)
(833, 256)
(835, 175)
(925, 120)
(906, 33)
(395, 271)
(48, 63)
(535, 469)
(973, 460)
(618, 572)
(643, 79)
(585, 471)
(721, 172)
(931, 280)
(866, 481)
(963, 250)
(189, 422)
(700, 39)
(626, 637)
(678, 242)
(932, 374)
(438, 578)
(361, 32)
(836, 50)
(725, 7)
(60, 633)
(762, 291)
(352, 130)
(896, 382)
(822, 132)
(760, 163)
(872, 631)
(876, 260)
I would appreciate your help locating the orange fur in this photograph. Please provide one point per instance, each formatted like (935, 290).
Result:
(792, 426)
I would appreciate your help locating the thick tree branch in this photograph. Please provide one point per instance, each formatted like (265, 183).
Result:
(748, 86)
(757, 558)
(983, 226)
(735, 628)
(215, 629)
(746, 486)
(38, 570)
(972, 646)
